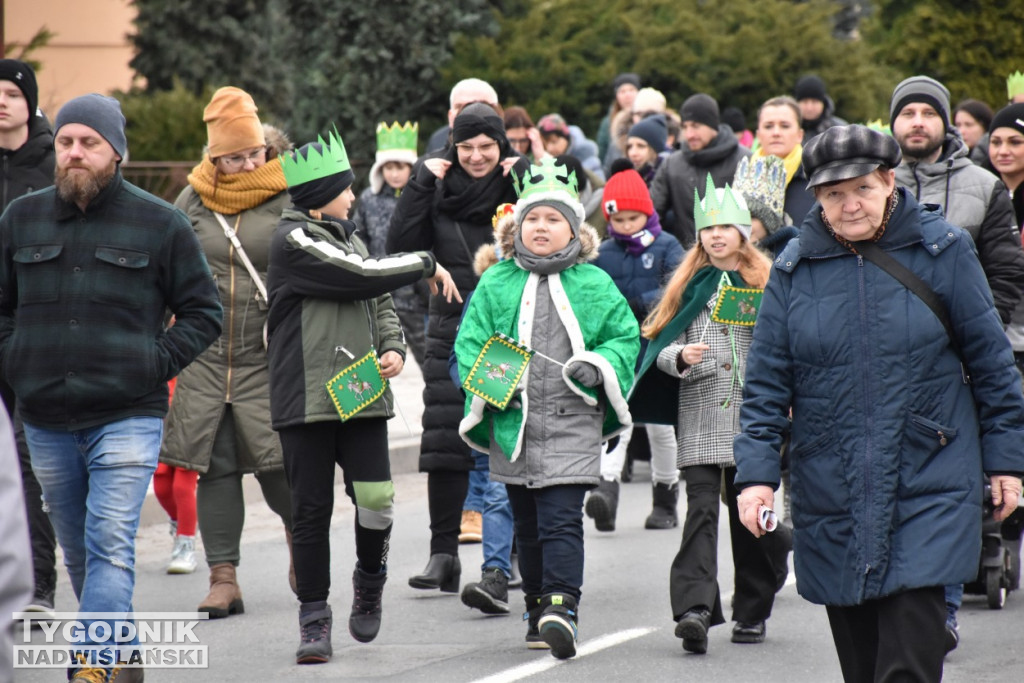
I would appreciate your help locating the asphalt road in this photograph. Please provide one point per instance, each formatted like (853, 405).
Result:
(626, 628)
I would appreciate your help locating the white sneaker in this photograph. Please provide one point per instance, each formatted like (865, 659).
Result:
(183, 559)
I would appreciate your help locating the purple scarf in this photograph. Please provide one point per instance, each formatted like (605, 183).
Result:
(638, 241)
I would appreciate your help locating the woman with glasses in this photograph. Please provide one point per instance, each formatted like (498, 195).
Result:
(522, 135)
(219, 422)
(447, 208)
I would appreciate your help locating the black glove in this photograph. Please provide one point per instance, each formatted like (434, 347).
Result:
(585, 373)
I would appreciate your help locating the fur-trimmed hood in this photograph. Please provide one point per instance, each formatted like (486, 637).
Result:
(505, 234)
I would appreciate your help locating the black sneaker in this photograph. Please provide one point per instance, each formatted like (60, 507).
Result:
(315, 636)
(557, 625)
(693, 627)
(952, 635)
(490, 594)
(367, 598)
(532, 616)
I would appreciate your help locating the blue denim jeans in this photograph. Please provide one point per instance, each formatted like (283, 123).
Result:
(94, 482)
(497, 515)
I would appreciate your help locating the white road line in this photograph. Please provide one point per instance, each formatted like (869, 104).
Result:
(589, 647)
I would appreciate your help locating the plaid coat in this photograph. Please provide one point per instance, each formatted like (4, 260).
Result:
(711, 392)
(83, 297)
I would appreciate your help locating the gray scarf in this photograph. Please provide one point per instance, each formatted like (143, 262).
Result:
(546, 265)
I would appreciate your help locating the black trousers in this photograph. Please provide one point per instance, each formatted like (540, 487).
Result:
(446, 493)
(311, 452)
(895, 639)
(693, 578)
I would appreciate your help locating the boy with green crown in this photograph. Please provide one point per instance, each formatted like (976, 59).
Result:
(330, 312)
(545, 296)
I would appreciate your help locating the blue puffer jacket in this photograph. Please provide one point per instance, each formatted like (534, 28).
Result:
(889, 445)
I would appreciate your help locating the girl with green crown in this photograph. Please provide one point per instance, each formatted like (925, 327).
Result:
(330, 309)
(692, 376)
(545, 445)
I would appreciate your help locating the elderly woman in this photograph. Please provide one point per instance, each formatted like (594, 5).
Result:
(896, 425)
(779, 134)
(447, 208)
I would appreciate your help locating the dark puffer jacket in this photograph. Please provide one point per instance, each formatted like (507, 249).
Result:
(418, 224)
(30, 167)
(889, 445)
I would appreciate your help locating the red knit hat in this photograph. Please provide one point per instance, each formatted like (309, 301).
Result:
(626, 191)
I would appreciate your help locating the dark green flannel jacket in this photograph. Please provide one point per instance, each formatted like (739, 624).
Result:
(83, 298)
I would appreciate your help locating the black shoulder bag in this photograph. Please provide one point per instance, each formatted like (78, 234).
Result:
(872, 252)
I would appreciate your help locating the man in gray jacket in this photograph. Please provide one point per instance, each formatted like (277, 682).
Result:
(937, 169)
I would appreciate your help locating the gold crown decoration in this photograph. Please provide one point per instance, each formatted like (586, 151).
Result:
(1014, 85)
(397, 136)
(544, 178)
(718, 211)
(330, 159)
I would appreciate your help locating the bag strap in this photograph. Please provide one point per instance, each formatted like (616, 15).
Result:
(232, 236)
(230, 233)
(872, 252)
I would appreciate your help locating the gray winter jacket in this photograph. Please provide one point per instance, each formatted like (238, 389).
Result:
(977, 201)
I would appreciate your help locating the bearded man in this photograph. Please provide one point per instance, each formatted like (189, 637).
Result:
(87, 270)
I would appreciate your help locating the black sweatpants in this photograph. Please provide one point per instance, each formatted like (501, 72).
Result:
(360, 448)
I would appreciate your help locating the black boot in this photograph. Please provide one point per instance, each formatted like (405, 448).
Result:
(367, 595)
(693, 627)
(603, 504)
(663, 514)
(532, 616)
(557, 624)
(442, 571)
(314, 633)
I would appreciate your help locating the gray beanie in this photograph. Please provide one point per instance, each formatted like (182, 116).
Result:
(99, 112)
(920, 89)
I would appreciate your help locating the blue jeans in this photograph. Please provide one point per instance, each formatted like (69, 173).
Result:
(478, 482)
(954, 596)
(497, 515)
(549, 536)
(94, 482)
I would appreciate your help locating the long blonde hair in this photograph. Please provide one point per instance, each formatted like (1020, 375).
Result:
(754, 268)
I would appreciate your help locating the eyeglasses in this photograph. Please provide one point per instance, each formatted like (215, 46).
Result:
(519, 142)
(470, 150)
(237, 160)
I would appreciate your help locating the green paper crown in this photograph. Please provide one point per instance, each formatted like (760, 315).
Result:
(712, 211)
(545, 178)
(397, 136)
(1014, 85)
(315, 165)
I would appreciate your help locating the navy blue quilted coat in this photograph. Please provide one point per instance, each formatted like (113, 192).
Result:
(889, 445)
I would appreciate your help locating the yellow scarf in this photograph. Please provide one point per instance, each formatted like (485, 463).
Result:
(236, 192)
(791, 161)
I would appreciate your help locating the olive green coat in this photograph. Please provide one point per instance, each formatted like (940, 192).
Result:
(234, 368)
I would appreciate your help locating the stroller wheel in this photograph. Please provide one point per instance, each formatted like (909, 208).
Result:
(995, 589)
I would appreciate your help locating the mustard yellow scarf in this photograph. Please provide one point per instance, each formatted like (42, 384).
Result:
(236, 192)
(791, 161)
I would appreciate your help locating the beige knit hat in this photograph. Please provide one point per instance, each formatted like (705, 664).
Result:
(231, 122)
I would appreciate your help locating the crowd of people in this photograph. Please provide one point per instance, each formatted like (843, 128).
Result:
(816, 308)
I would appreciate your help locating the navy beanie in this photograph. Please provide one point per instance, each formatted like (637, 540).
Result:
(22, 75)
(653, 130)
(99, 112)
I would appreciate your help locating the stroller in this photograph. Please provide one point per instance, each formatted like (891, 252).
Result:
(999, 566)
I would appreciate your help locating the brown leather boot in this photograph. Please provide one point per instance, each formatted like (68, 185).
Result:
(291, 563)
(225, 596)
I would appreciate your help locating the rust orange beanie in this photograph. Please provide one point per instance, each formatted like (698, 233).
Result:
(231, 122)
